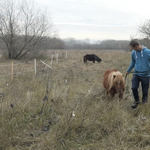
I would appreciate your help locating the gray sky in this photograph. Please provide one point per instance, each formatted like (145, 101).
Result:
(97, 19)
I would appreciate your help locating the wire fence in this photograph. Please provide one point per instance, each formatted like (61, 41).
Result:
(38, 67)
(24, 67)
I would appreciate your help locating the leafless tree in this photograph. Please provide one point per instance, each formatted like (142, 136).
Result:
(22, 25)
(144, 29)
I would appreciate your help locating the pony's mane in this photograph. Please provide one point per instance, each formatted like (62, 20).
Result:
(111, 78)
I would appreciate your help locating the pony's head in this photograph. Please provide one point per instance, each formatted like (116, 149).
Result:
(116, 80)
(99, 60)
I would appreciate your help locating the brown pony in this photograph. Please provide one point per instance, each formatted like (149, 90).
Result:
(113, 82)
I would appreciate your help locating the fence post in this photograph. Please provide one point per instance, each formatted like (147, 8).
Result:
(35, 65)
(66, 54)
(51, 59)
(57, 57)
(12, 71)
(46, 64)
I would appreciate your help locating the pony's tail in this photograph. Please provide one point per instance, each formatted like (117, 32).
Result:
(84, 59)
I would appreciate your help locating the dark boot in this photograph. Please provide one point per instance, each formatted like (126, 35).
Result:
(135, 104)
(144, 100)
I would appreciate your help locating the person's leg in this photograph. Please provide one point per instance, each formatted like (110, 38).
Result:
(135, 86)
(145, 87)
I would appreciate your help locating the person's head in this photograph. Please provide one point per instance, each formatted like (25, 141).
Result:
(135, 45)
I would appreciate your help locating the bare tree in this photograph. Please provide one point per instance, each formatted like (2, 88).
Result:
(22, 25)
(144, 30)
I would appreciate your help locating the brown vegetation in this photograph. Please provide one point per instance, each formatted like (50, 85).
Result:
(67, 108)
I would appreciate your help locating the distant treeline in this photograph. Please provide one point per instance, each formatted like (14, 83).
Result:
(98, 45)
(71, 43)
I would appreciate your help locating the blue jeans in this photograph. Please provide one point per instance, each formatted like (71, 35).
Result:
(135, 85)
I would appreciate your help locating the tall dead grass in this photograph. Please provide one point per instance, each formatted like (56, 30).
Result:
(67, 107)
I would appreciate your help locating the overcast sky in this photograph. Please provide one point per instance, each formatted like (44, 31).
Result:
(97, 19)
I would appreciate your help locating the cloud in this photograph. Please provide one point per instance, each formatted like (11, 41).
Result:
(97, 18)
(96, 32)
(94, 25)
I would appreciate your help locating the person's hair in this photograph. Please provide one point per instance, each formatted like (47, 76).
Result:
(134, 43)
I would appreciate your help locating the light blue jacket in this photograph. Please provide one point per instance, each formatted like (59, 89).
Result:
(140, 62)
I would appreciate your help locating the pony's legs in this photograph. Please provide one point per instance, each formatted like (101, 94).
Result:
(121, 96)
(112, 95)
(112, 92)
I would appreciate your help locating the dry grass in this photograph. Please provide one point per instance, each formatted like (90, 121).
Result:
(28, 120)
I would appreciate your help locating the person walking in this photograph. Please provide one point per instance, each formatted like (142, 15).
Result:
(140, 61)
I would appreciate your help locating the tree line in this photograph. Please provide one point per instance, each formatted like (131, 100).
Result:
(47, 43)
(72, 43)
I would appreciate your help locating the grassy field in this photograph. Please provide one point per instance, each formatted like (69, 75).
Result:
(66, 108)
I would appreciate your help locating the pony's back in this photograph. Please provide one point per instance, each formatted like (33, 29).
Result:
(91, 57)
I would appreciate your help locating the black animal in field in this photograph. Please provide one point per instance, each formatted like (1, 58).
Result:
(91, 57)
